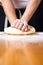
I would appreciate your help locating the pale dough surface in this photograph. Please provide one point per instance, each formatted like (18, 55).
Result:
(14, 31)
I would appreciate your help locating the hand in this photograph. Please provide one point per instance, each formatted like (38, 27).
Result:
(21, 25)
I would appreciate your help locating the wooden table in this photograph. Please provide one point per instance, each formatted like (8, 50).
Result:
(21, 50)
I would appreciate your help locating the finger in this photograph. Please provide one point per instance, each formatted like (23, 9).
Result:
(20, 25)
(29, 27)
(17, 25)
(24, 27)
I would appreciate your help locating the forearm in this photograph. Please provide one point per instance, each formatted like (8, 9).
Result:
(30, 9)
(9, 10)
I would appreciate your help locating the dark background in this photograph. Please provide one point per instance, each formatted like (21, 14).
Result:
(36, 20)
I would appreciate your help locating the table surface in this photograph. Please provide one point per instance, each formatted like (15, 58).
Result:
(38, 36)
(29, 53)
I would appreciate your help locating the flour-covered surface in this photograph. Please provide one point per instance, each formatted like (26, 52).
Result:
(38, 36)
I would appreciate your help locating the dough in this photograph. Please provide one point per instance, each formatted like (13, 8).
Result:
(14, 31)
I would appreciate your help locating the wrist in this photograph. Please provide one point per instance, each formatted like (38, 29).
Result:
(23, 20)
(13, 21)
